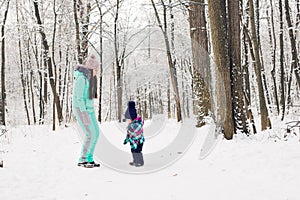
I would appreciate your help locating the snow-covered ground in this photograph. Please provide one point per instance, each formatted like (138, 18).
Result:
(41, 165)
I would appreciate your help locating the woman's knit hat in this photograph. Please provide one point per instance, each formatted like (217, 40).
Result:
(92, 63)
(130, 112)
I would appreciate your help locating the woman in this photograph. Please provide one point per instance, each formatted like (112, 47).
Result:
(84, 92)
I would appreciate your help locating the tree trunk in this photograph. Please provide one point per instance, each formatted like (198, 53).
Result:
(282, 71)
(118, 65)
(201, 69)
(47, 60)
(273, 45)
(161, 106)
(150, 100)
(32, 96)
(297, 30)
(169, 100)
(64, 81)
(54, 62)
(217, 14)
(172, 66)
(23, 83)
(172, 57)
(82, 19)
(265, 121)
(298, 23)
(85, 31)
(257, 23)
(28, 62)
(183, 87)
(3, 86)
(239, 113)
(68, 79)
(101, 61)
(295, 67)
(246, 89)
(41, 97)
(77, 30)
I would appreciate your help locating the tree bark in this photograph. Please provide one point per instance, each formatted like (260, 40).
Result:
(295, 67)
(47, 60)
(247, 94)
(77, 30)
(273, 47)
(239, 113)
(54, 62)
(23, 82)
(169, 100)
(282, 71)
(201, 69)
(172, 66)
(118, 65)
(40, 75)
(217, 14)
(101, 61)
(265, 121)
(3, 62)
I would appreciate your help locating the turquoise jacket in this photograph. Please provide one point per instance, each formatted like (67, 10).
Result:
(81, 93)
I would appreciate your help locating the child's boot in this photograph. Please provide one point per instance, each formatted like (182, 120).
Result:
(140, 160)
(134, 159)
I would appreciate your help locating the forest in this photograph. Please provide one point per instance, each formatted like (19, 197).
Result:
(233, 61)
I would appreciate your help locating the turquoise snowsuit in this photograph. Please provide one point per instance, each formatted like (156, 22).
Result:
(83, 105)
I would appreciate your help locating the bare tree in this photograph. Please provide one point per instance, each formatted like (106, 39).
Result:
(265, 120)
(3, 62)
(295, 66)
(47, 61)
(101, 59)
(218, 21)
(81, 18)
(201, 68)
(119, 59)
(239, 113)
(164, 28)
(23, 81)
(282, 70)
(273, 45)
(247, 90)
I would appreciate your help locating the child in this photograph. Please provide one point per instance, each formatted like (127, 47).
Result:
(135, 135)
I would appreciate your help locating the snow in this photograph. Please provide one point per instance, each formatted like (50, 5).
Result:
(41, 165)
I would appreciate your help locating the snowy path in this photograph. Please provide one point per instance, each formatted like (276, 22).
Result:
(42, 166)
(115, 158)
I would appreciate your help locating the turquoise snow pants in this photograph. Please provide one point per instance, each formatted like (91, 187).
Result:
(91, 133)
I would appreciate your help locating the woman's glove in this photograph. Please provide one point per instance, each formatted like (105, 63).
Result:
(85, 118)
